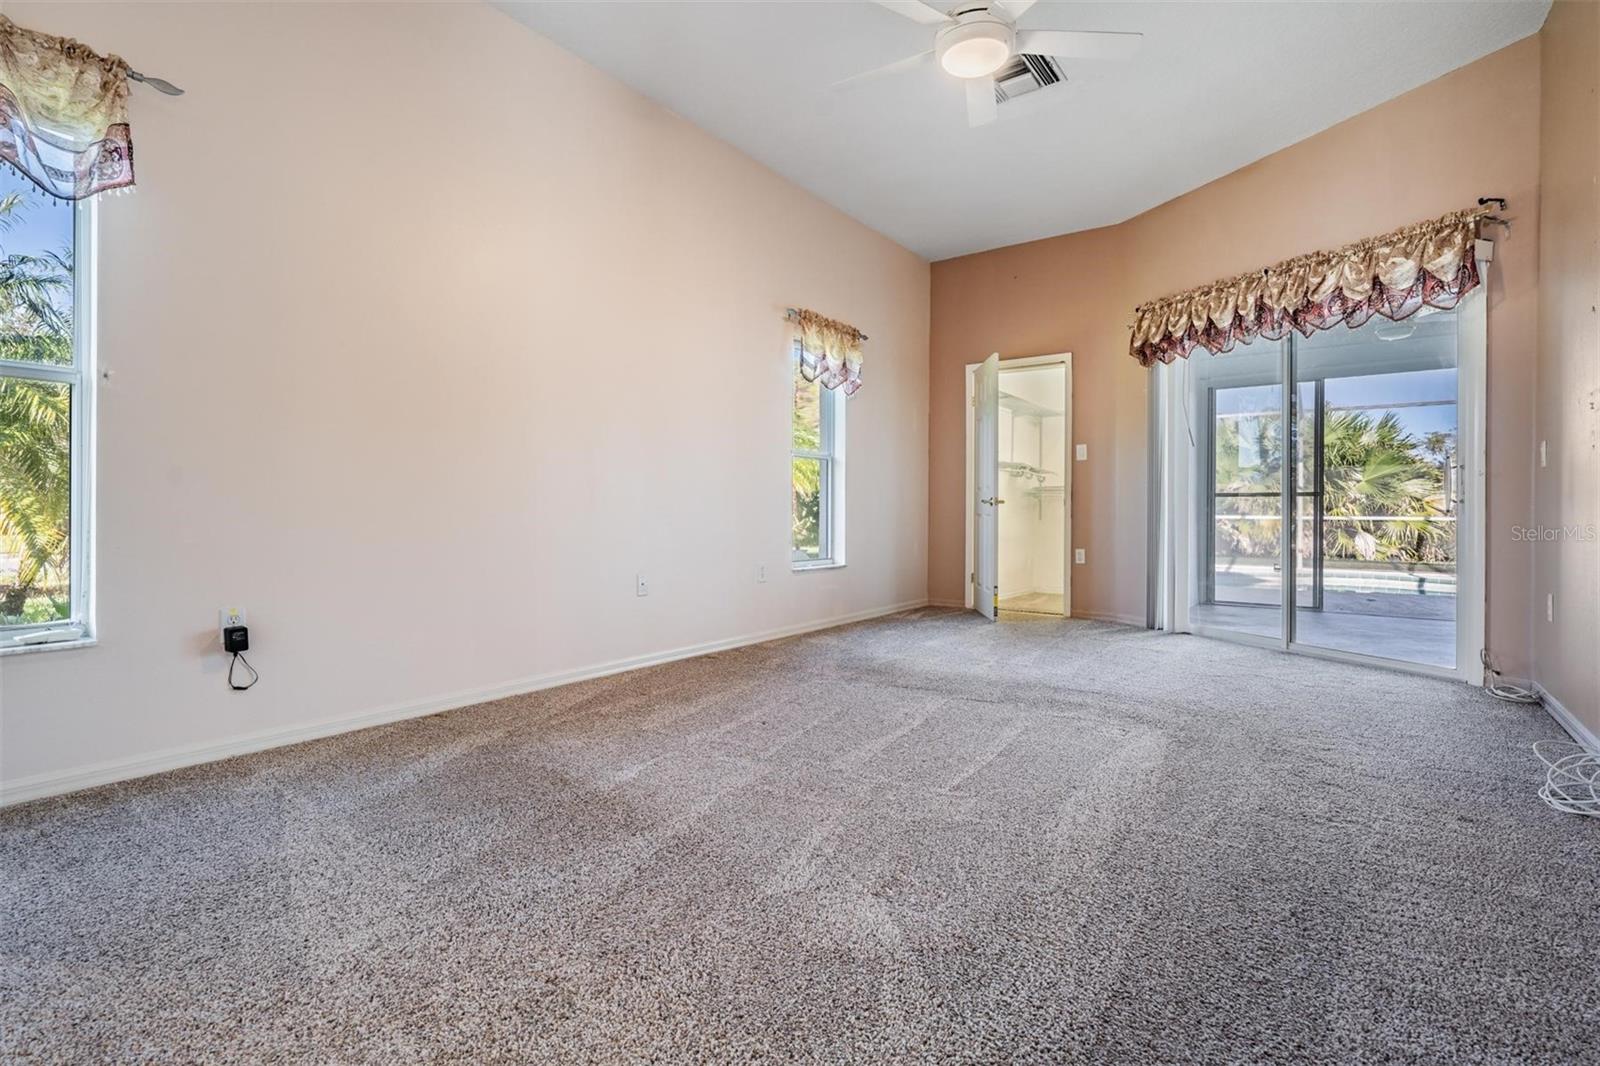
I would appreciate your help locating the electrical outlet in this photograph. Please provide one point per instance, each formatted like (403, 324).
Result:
(641, 587)
(228, 617)
(1081, 452)
(761, 573)
(1550, 607)
(1080, 556)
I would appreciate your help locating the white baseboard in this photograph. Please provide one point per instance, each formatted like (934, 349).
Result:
(1567, 720)
(56, 783)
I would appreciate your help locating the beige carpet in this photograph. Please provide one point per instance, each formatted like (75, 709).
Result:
(924, 839)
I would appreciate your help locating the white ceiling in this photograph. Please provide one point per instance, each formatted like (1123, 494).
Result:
(1214, 87)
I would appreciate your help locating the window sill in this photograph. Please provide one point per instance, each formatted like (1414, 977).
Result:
(823, 564)
(60, 645)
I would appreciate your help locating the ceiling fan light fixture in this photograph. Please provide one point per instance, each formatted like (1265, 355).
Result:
(976, 47)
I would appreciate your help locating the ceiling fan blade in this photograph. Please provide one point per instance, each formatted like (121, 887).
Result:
(1014, 9)
(982, 107)
(908, 63)
(916, 11)
(1078, 44)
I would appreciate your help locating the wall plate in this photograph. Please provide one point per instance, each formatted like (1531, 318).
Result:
(229, 616)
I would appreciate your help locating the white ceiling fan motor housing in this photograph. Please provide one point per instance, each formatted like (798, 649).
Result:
(976, 45)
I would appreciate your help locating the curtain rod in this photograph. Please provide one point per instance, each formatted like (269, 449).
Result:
(160, 85)
(791, 312)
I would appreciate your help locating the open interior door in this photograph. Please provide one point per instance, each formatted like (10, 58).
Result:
(986, 482)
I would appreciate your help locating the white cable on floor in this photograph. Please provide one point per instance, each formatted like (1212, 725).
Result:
(1502, 691)
(1572, 777)
(1572, 771)
(1512, 693)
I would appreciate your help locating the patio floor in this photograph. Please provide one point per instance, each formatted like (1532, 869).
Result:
(1408, 628)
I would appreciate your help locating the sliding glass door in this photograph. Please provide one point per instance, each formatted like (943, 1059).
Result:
(1241, 530)
(1326, 474)
(1376, 541)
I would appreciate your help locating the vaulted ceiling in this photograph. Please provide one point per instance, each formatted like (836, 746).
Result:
(1214, 87)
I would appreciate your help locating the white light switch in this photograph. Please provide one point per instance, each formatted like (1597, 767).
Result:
(1082, 452)
(1079, 556)
(641, 587)
(1544, 454)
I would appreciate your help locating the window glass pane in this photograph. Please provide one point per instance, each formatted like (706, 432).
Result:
(808, 426)
(1235, 408)
(35, 273)
(807, 484)
(1246, 505)
(1249, 438)
(35, 501)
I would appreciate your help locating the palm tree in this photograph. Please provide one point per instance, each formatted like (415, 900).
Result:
(1381, 491)
(35, 422)
(1382, 488)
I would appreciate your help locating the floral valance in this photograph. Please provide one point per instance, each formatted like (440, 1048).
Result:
(1394, 275)
(63, 114)
(830, 351)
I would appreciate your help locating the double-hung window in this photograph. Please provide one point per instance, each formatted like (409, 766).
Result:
(46, 401)
(816, 474)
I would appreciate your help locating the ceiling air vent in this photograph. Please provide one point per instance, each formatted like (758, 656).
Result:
(1025, 74)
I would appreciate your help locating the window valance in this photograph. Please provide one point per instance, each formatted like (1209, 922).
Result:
(63, 114)
(830, 351)
(1393, 275)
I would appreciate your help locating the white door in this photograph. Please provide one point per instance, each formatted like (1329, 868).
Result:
(986, 479)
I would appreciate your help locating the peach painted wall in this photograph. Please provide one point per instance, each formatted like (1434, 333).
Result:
(1411, 158)
(1567, 490)
(427, 337)
(1039, 298)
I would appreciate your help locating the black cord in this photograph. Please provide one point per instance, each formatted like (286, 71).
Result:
(254, 677)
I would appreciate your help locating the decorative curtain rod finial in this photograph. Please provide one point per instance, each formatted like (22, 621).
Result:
(160, 85)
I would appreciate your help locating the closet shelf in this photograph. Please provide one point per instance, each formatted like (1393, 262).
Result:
(1026, 471)
(1027, 408)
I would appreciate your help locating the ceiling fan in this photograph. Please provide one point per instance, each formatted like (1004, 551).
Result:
(975, 40)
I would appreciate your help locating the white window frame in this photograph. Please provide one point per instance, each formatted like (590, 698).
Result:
(77, 630)
(830, 525)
